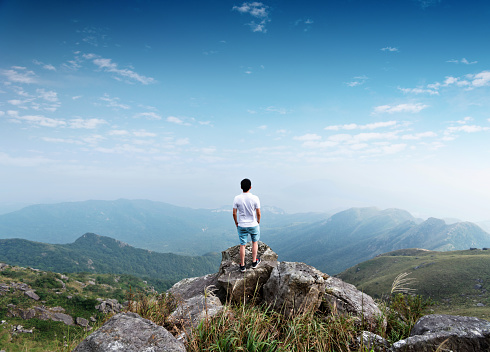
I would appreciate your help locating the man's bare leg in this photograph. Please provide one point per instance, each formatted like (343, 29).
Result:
(255, 248)
(242, 254)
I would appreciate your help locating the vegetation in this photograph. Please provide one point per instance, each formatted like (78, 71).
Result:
(76, 294)
(253, 327)
(98, 254)
(457, 282)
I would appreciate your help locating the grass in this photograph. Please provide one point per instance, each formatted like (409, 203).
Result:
(255, 327)
(449, 279)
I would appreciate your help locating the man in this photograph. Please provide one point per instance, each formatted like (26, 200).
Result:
(247, 207)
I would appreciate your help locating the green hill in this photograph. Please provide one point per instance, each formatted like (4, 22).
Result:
(93, 253)
(457, 281)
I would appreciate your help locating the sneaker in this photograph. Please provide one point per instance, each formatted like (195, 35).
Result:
(242, 268)
(256, 263)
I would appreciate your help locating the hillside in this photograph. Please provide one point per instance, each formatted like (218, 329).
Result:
(144, 224)
(48, 311)
(98, 254)
(457, 281)
(359, 234)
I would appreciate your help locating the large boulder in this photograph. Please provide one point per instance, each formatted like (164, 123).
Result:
(294, 288)
(190, 312)
(243, 287)
(343, 298)
(128, 332)
(195, 286)
(449, 332)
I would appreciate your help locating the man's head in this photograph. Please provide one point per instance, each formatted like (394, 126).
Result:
(246, 184)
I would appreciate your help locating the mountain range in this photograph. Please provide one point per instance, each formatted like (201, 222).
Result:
(329, 243)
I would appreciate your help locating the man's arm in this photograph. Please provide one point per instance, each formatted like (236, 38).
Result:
(258, 214)
(235, 217)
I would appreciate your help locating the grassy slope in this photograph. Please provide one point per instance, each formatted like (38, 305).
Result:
(448, 278)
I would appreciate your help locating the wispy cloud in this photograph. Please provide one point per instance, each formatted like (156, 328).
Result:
(427, 3)
(282, 111)
(48, 67)
(390, 49)
(19, 74)
(109, 66)
(86, 123)
(177, 120)
(400, 108)
(38, 120)
(148, 115)
(354, 126)
(419, 91)
(6, 159)
(257, 10)
(357, 81)
(462, 61)
(113, 102)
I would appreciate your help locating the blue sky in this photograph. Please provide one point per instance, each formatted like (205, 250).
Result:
(323, 104)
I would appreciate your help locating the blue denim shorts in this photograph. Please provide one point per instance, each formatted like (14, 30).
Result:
(243, 233)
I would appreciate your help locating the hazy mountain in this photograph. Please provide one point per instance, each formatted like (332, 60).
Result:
(141, 223)
(358, 234)
(93, 253)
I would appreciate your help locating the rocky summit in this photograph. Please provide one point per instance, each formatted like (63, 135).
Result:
(289, 288)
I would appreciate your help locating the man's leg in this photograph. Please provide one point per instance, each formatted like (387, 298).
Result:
(255, 247)
(242, 254)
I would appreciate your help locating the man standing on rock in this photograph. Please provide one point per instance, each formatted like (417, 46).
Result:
(247, 207)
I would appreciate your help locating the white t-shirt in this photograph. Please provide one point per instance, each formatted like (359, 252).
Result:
(246, 204)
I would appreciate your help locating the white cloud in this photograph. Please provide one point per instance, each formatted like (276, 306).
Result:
(481, 79)
(177, 121)
(281, 111)
(182, 141)
(118, 133)
(308, 137)
(114, 102)
(109, 66)
(390, 49)
(462, 61)
(257, 10)
(144, 134)
(466, 128)
(19, 75)
(148, 115)
(48, 95)
(417, 136)
(86, 123)
(369, 126)
(37, 120)
(400, 108)
(357, 81)
(419, 91)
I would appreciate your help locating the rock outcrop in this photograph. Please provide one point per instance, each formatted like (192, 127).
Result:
(447, 332)
(243, 287)
(343, 298)
(294, 288)
(128, 332)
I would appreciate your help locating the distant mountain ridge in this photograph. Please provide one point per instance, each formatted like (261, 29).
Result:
(329, 243)
(358, 234)
(145, 224)
(99, 254)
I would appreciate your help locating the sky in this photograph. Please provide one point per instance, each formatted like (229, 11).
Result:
(324, 105)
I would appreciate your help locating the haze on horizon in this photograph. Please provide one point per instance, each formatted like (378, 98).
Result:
(323, 105)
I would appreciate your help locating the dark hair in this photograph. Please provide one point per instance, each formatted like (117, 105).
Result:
(245, 185)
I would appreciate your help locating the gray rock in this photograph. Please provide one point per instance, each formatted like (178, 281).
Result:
(188, 288)
(32, 294)
(109, 306)
(450, 332)
(65, 318)
(373, 342)
(128, 332)
(346, 299)
(192, 311)
(294, 288)
(243, 287)
(82, 322)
